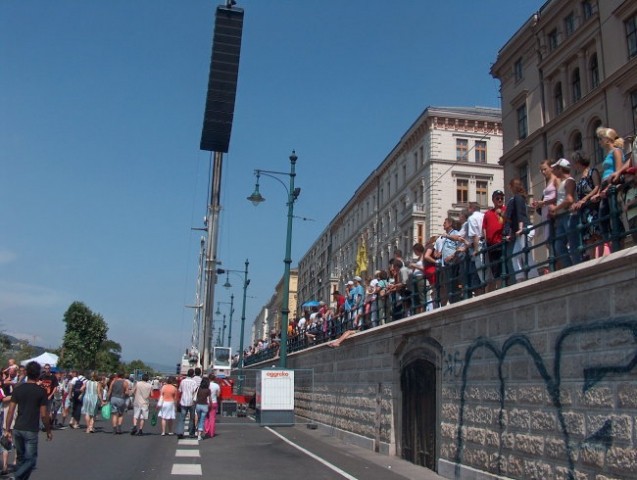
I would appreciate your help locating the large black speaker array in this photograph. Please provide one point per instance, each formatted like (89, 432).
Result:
(222, 81)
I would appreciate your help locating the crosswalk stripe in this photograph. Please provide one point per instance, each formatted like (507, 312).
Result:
(187, 453)
(188, 442)
(186, 469)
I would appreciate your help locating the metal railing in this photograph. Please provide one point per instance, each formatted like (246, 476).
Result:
(497, 266)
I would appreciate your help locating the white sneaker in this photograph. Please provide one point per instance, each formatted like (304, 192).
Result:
(199, 438)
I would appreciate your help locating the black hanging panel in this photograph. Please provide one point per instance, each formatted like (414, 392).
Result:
(222, 81)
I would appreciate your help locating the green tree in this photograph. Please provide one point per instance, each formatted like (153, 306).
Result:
(108, 357)
(5, 349)
(138, 365)
(85, 333)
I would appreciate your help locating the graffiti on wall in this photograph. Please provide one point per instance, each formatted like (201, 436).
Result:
(591, 376)
(452, 364)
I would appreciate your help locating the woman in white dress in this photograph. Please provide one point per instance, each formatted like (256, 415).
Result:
(166, 406)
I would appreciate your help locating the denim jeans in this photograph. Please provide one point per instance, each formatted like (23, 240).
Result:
(561, 240)
(26, 447)
(202, 411)
(181, 419)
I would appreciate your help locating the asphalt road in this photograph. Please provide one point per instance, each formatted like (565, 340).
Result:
(241, 450)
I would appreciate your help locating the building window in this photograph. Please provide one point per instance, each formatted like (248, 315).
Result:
(594, 71)
(558, 151)
(558, 99)
(517, 69)
(523, 128)
(587, 9)
(633, 104)
(552, 39)
(481, 151)
(569, 24)
(462, 148)
(577, 142)
(482, 193)
(631, 35)
(462, 191)
(596, 147)
(576, 86)
(523, 175)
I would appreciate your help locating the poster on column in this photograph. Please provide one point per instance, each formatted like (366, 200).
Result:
(275, 390)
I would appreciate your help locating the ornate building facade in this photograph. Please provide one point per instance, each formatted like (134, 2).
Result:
(268, 321)
(447, 158)
(569, 69)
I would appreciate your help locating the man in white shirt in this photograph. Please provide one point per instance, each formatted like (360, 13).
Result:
(474, 236)
(187, 389)
(197, 377)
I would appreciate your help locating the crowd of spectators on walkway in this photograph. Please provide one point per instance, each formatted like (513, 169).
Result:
(75, 401)
(585, 212)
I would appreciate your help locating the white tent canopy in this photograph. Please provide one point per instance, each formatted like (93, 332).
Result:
(46, 357)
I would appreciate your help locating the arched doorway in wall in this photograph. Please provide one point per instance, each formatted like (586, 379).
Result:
(419, 425)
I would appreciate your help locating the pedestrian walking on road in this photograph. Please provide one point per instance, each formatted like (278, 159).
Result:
(31, 401)
(49, 382)
(187, 389)
(166, 406)
(141, 395)
(92, 401)
(211, 418)
(76, 396)
(117, 393)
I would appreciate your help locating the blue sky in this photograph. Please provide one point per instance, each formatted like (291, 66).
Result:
(101, 109)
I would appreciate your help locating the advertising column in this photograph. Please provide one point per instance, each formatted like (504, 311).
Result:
(275, 397)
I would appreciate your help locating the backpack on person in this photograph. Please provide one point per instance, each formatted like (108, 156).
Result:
(77, 388)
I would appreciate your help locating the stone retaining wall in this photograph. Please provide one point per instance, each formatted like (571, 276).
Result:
(535, 381)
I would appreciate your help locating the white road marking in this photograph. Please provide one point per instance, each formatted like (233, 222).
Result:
(315, 457)
(188, 442)
(186, 469)
(187, 453)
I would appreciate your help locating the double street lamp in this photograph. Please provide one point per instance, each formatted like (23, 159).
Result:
(293, 194)
(228, 285)
(218, 312)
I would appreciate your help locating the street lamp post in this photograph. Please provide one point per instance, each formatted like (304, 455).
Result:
(230, 324)
(293, 194)
(223, 331)
(246, 282)
(218, 312)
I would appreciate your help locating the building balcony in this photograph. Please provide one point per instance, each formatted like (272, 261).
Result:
(410, 211)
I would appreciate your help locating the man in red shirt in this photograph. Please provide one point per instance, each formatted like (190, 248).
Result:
(492, 226)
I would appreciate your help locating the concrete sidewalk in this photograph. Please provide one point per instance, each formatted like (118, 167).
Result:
(379, 463)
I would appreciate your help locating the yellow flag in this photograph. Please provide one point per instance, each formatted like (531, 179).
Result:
(361, 259)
